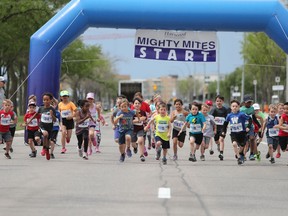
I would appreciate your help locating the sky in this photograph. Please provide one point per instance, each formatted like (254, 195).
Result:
(118, 45)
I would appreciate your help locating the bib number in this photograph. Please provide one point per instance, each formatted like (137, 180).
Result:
(195, 128)
(236, 127)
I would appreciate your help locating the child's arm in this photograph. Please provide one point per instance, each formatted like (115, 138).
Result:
(264, 127)
(116, 120)
(183, 127)
(149, 123)
(204, 127)
(224, 129)
(169, 129)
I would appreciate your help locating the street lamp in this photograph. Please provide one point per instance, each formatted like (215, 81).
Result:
(255, 90)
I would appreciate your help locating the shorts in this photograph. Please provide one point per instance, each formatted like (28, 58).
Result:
(251, 133)
(164, 143)
(198, 138)
(274, 141)
(206, 140)
(12, 131)
(69, 124)
(122, 137)
(137, 134)
(32, 134)
(54, 135)
(181, 137)
(45, 129)
(6, 136)
(217, 136)
(283, 142)
(116, 133)
(240, 138)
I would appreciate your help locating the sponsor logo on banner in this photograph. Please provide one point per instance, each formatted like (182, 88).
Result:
(176, 45)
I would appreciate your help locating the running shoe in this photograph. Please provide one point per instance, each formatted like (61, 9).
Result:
(135, 150)
(221, 157)
(191, 157)
(33, 154)
(80, 152)
(47, 154)
(202, 157)
(63, 150)
(194, 158)
(258, 156)
(52, 156)
(43, 152)
(85, 156)
(122, 157)
(164, 160)
(278, 155)
(145, 152)
(243, 158)
(272, 160)
(158, 153)
(97, 149)
(128, 152)
(251, 157)
(11, 149)
(7, 156)
(239, 160)
(267, 155)
(175, 157)
(142, 158)
(211, 152)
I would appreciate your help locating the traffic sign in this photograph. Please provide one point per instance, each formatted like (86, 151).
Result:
(236, 94)
(277, 79)
(278, 87)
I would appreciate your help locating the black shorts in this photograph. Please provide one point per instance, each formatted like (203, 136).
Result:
(283, 142)
(198, 138)
(32, 134)
(181, 137)
(217, 136)
(69, 124)
(49, 130)
(240, 138)
(54, 135)
(165, 144)
(12, 131)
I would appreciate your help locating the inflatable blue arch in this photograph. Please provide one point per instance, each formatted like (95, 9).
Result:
(46, 45)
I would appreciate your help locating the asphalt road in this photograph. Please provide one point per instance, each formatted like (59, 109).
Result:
(69, 185)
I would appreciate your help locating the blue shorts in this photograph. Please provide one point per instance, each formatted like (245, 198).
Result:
(116, 133)
(122, 137)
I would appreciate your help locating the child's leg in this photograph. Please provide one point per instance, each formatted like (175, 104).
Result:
(92, 139)
(235, 148)
(270, 149)
(192, 141)
(31, 144)
(63, 137)
(45, 139)
(80, 141)
(175, 143)
(165, 150)
(8, 146)
(68, 135)
(140, 141)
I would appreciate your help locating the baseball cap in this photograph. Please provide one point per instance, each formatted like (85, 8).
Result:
(90, 95)
(2, 79)
(209, 102)
(248, 98)
(256, 106)
(31, 103)
(64, 93)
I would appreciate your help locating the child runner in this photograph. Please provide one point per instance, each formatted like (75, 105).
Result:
(238, 128)
(210, 104)
(272, 133)
(197, 123)
(220, 113)
(209, 132)
(98, 127)
(283, 128)
(280, 111)
(115, 127)
(138, 132)
(13, 124)
(162, 131)
(95, 113)
(48, 116)
(83, 117)
(177, 118)
(6, 116)
(32, 128)
(55, 129)
(67, 109)
(125, 119)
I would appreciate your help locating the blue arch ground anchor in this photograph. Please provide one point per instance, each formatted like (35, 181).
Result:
(46, 45)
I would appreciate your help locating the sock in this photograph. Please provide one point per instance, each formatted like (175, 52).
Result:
(221, 152)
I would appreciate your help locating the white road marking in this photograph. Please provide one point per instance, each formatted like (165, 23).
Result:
(164, 193)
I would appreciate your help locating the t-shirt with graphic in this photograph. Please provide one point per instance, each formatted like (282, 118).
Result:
(139, 125)
(219, 115)
(34, 124)
(5, 120)
(126, 122)
(66, 109)
(237, 121)
(46, 120)
(284, 118)
(196, 122)
(162, 126)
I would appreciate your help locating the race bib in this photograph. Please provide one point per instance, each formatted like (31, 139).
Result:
(162, 128)
(236, 127)
(33, 123)
(84, 124)
(219, 120)
(65, 113)
(5, 121)
(46, 118)
(178, 124)
(272, 132)
(195, 128)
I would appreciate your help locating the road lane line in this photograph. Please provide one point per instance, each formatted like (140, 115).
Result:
(164, 193)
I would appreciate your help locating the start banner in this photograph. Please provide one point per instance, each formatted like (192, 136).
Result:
(176, 45)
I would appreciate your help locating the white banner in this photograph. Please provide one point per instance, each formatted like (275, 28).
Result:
(176, 45)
